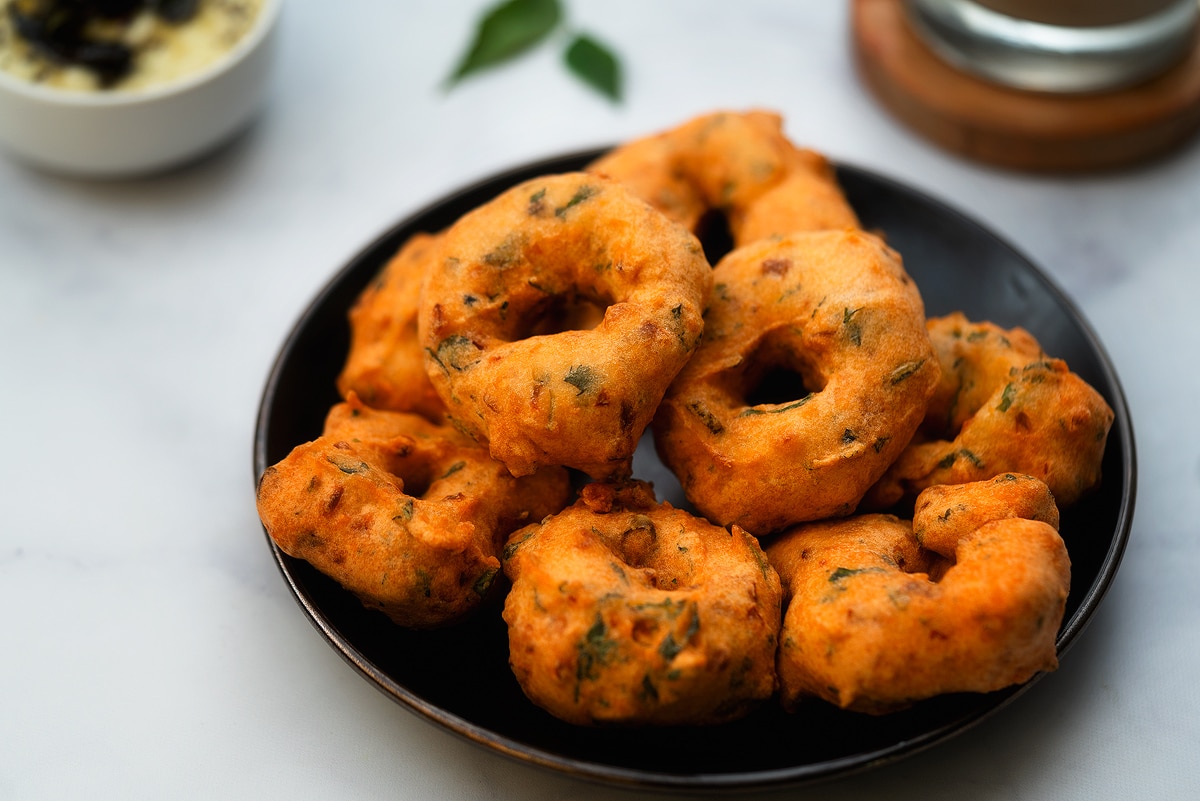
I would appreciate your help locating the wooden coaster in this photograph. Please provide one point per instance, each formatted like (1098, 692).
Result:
(1013, 128)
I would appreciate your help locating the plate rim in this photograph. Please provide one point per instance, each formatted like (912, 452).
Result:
(633, 778)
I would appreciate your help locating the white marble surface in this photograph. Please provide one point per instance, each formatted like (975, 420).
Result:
(151, 649)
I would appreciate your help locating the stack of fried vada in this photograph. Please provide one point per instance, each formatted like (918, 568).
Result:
(966, 597)
(574, 398)
(880, 531)
(835, 308)
(1002, 405)
(623, 609)
(741, 165)
(408, 515)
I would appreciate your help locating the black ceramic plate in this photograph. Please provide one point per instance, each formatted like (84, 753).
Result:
(459, 678)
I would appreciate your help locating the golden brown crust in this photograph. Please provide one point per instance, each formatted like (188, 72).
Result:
(386, 365)
(740, 163)
(406, 514)
(946, 513)
(1003, 405)
(835, 307)
(625, 611)
(579, 398)
(867, 629)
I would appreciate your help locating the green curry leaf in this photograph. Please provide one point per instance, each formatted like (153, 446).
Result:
(595, 65)
(507, 30)
(511, 28)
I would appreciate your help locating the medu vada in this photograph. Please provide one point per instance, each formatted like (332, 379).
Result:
(875, 622)
(407, 515)
(835, 309)
(577, 398)
(741, 164)
(1002, 405)
(626, 611)
(386, 364)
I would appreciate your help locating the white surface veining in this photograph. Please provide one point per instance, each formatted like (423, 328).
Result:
(150, 648)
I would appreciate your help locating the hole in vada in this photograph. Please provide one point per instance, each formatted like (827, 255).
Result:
(416, 477)
(715, 237)
(938, 569)
(565, 313)
(778, 385)
(776, 374)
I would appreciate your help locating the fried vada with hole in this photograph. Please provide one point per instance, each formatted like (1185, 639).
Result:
(946, 511)
(386, 364)
(875, 622)
(737, 163)
(627, 611)
(1002, 405)
(836, 314)
(577, 398)
(407, 515)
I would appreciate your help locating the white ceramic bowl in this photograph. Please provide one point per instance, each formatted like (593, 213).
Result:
(108, 134)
